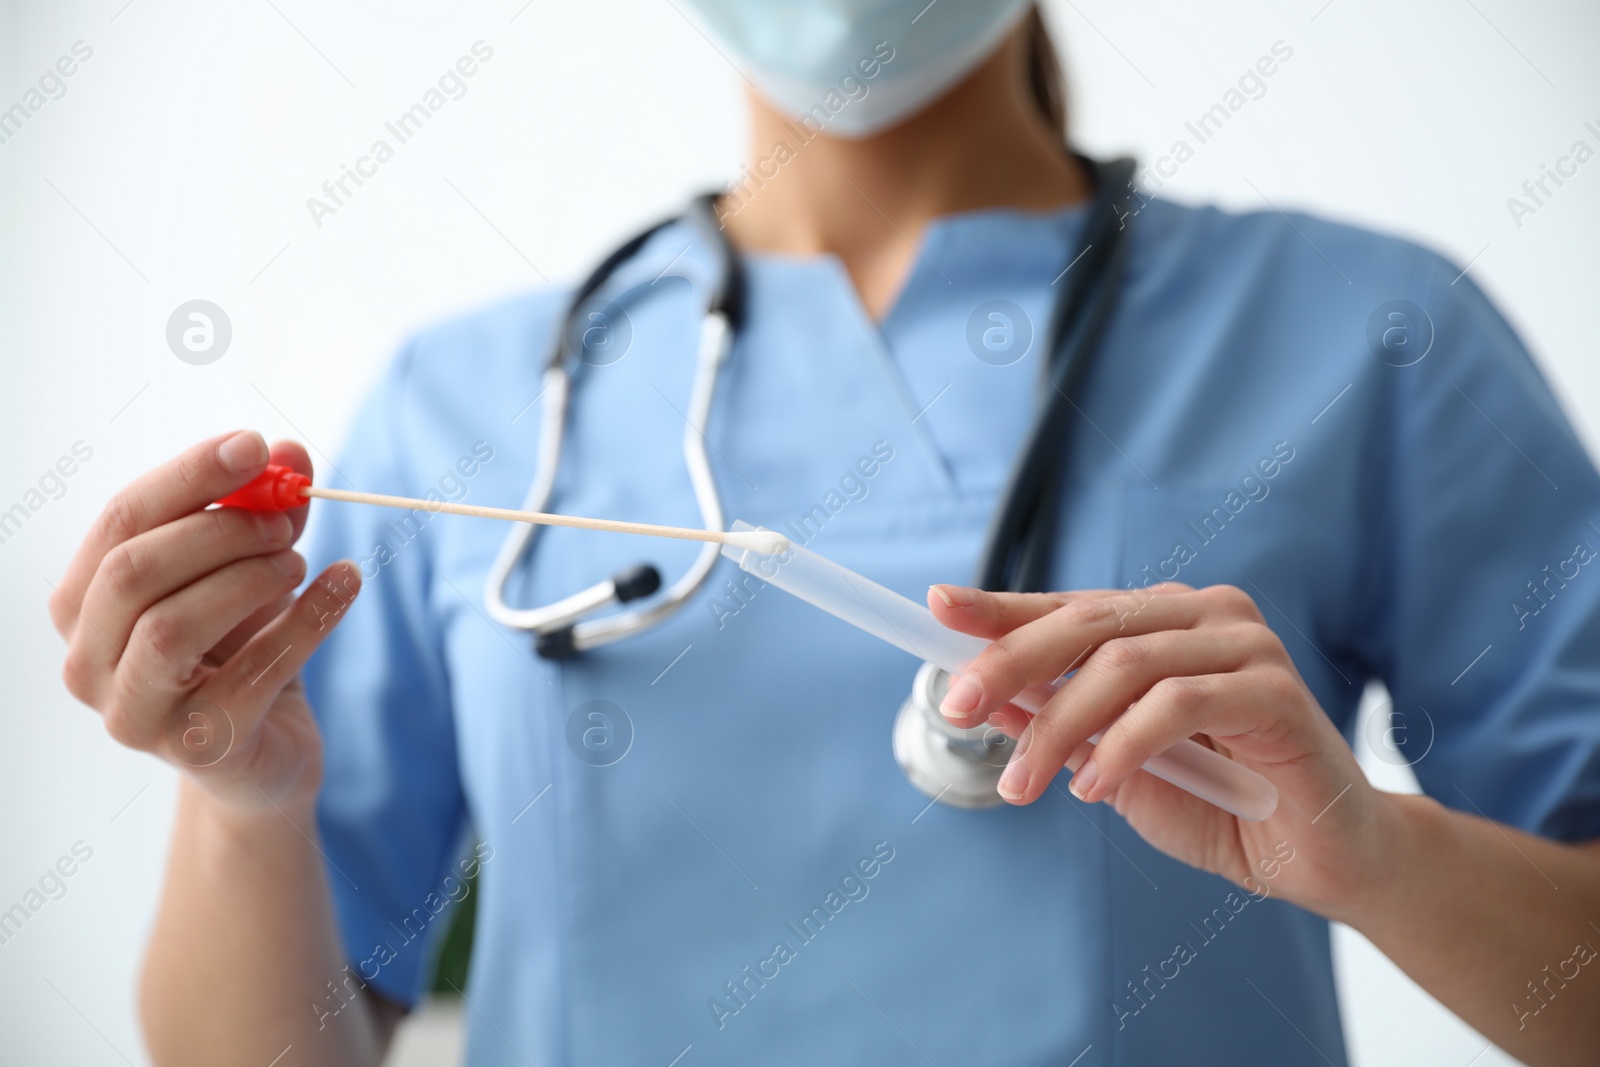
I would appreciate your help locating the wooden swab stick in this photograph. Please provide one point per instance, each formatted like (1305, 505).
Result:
(280, 488)
(762, 541)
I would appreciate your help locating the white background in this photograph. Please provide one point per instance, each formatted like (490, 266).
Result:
(179, 161)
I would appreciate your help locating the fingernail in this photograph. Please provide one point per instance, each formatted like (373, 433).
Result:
(243, 451)
(1084, 780)
(955, 596)
(289, 564)
(961, 699)
(1013, 784)
(274, 525)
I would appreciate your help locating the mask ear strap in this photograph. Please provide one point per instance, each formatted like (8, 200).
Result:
(1020, 546)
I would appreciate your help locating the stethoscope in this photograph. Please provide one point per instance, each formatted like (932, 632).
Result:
(957, 767)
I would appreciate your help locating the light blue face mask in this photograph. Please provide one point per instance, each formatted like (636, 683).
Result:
(854, 67)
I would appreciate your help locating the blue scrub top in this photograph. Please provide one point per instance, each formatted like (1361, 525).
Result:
(697, 843)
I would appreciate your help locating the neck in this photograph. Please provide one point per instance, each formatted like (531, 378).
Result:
(984, 144)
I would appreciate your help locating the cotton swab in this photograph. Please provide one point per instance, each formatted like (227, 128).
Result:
(280, 488)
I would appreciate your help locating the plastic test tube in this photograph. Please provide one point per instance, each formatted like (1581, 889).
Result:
(906, 624)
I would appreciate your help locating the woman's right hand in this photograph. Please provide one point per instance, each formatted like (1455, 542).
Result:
(183, 631)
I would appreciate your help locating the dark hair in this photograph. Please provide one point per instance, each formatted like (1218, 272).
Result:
(1045, 80)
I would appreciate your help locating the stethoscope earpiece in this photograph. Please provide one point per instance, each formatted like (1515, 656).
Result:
(555, 644)
(636, 582)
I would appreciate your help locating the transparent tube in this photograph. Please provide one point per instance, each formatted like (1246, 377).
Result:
(906, 624)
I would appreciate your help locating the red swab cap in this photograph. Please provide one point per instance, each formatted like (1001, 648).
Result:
(274, 489)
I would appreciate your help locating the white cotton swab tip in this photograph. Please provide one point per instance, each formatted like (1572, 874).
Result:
(764, 542)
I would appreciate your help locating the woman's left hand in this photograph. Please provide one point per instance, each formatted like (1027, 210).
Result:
(1155, 666)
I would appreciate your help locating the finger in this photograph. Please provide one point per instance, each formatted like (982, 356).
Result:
(1119, 673)
(1008, 719)
(1009, 712)
(1226, 707)
(164, 658)
(984, 614)
(286, 454)
(235, 638)
(991, 615)
(1174, 820)
(196, 477)
(247, 684)
(1039, 652)
(148, 568)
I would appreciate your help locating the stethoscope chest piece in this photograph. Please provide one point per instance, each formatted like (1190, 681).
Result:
(957, 767)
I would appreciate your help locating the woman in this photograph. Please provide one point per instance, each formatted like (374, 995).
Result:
(752, 880)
